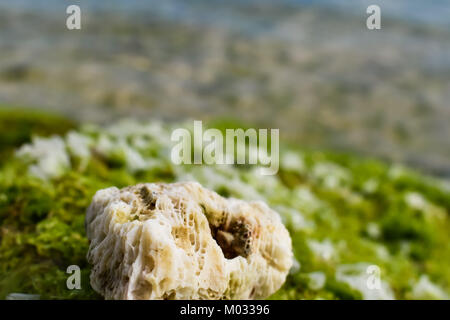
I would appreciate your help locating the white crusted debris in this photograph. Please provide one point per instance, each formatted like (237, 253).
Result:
(22, 296)
(324, 250)
(425, 289)
(317, 280)
(48, 157)
(182, 241)
(359, 276)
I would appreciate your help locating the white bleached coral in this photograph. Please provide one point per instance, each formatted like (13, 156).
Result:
(425, 289)
(360, 276)
(47, 156)
(182, 241)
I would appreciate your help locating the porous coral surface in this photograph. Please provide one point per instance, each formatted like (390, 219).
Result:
(183, 241)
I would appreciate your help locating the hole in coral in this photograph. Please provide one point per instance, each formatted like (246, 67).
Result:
(148, 198)
(234, 239)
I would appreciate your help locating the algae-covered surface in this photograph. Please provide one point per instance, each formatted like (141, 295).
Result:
(350, 218)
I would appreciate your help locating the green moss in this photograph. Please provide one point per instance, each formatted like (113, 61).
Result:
(342, 290)
(42, 222)
(17, 126)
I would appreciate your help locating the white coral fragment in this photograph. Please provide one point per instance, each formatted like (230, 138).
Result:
(48, 157)
(182, 241)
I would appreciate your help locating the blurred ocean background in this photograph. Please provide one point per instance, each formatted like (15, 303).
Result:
(310, 68)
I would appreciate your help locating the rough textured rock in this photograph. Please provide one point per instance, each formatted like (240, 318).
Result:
(182, 241)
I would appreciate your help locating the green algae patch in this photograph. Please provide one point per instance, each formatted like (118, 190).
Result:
(345, 214)
(18, 125)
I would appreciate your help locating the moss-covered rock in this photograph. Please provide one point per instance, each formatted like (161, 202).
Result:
(344, 213)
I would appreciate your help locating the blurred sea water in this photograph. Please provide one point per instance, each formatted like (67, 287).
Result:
(310, 68)
(434, 12)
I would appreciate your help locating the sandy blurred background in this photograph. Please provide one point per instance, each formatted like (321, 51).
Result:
(310, 68)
